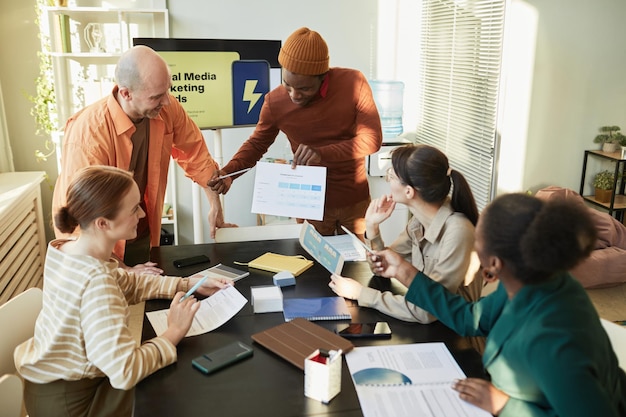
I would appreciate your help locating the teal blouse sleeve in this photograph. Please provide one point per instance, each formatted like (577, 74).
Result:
(465, 318)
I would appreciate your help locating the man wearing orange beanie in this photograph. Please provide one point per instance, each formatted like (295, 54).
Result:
(330, 119)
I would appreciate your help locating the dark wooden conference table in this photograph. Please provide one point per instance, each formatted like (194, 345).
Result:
(265, 384)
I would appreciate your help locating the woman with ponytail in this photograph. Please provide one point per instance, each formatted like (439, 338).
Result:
(546, 351)
(83, 359)
(439, 237)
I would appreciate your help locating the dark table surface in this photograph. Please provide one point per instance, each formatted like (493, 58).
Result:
(267, 385)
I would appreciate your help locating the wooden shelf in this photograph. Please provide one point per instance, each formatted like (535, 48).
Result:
(617, 155)
(618, 207)
(619, 204)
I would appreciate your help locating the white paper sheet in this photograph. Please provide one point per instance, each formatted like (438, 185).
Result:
(213, 312)
(408, 380)
(282, 191)
(350, 251)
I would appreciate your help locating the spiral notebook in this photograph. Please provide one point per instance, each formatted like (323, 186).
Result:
(319, 308)
(408, 380)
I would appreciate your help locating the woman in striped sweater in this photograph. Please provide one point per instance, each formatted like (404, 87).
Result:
(83, 360)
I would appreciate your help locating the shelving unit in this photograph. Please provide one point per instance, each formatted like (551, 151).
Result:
(84, 72)
(617, 205)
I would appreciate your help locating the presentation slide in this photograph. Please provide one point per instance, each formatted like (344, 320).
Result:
(221, 83)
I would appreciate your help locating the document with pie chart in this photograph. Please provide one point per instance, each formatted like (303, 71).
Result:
(408, 380)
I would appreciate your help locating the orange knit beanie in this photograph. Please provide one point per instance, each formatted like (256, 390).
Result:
(305, 52)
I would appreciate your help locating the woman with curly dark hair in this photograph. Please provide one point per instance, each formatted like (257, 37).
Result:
(546, 350)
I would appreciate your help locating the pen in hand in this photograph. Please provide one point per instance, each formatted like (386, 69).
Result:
(194, 288)
(241, 171)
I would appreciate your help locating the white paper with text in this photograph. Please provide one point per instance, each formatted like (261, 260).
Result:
(280, 190)
(213, 312)
(408, 380)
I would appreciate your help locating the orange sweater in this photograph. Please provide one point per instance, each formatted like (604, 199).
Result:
(343, 125)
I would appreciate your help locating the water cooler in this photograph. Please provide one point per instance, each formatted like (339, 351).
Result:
(388, 96)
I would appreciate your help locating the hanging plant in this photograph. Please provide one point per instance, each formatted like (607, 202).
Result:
(44, 101)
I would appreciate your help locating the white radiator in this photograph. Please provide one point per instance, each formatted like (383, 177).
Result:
(22, 235)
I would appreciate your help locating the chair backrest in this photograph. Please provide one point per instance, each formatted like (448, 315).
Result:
(17, 321)
(472, 286)
(250, 233)
(10, 396)
(617, 335)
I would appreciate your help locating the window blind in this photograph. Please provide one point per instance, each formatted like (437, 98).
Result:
(461, 49)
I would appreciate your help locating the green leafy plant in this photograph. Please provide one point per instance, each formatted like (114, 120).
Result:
(44, 100)
(604, 180)
(610, 134)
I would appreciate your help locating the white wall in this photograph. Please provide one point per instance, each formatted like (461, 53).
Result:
(350, 45)
(19, 67)
(577, 84)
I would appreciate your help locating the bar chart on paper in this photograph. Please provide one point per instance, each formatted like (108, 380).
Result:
(280, 190)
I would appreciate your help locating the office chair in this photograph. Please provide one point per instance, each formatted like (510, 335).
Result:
(617, 335)
(10, 396)
(251, 233)
(17, 318)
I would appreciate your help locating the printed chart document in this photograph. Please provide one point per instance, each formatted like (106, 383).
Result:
(408, 380)
(282, 191)
(213, 312)
(346, 246)
(322, 250)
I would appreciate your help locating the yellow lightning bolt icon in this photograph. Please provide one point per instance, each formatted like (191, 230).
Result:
(249, 95)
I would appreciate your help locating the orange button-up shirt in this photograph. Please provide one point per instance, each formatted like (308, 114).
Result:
(100, 134)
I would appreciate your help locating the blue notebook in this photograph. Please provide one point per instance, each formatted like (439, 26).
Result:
(319, 308)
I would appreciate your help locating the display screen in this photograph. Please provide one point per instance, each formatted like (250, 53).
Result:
(220, 82)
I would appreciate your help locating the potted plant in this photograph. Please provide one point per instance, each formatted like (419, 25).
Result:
(610, 138)
(604, 183)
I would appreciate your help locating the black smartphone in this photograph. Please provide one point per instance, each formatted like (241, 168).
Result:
(379, 329)
(194, 260)
(222, 357)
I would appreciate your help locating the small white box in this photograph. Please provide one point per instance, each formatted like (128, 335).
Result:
(322, 380)
(266, 299)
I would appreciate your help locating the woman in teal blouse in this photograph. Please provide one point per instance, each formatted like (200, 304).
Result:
(546, 350)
